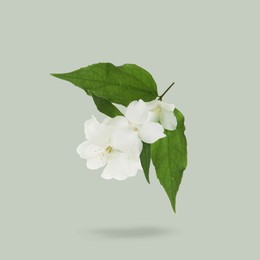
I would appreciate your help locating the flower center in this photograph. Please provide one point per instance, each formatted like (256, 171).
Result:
(133, 125)
(158, 109)
(109, 149)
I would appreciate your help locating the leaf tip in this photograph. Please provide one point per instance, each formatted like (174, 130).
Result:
(173, 203)
(56, 75)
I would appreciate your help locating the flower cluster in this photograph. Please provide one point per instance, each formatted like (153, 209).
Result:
(116, 143)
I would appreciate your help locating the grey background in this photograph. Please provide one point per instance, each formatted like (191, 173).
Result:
(52, 207)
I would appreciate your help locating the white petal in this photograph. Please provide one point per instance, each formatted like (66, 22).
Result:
(93, 154)
(126, 140)
(96, 162)
(153, 117)
(106, 121)
(118, 121)
(97, 133)
(120, 167)
(137, 112)
(150, 132)
(168, 120)
(81, 148)
(167, 107)
(152, 104)
(90, 123)
(87, 150)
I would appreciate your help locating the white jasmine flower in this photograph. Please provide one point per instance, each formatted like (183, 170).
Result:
(136, 119)
(163, 113)
(116, 148)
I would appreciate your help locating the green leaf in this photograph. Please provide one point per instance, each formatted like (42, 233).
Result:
(145, 158)
(169, 156)
(106, 107)
(118, 84)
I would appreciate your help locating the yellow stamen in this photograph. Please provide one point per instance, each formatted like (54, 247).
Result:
(109, 149)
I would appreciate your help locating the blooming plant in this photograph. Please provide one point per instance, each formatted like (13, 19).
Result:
(150, 129)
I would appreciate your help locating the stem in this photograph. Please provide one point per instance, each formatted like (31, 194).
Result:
(160, 97)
